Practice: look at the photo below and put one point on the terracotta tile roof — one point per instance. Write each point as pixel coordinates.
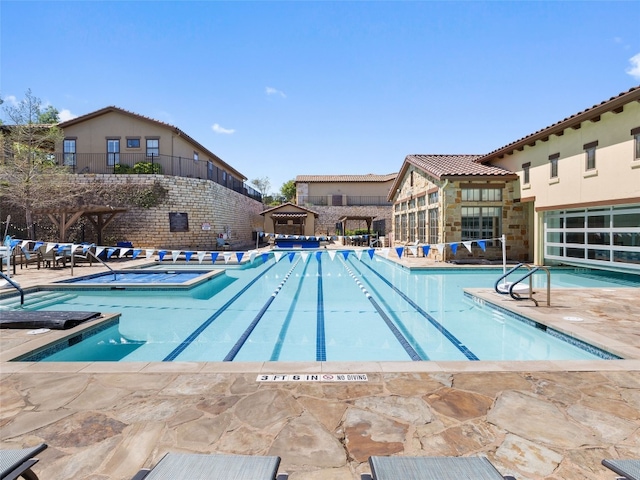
(175, 129)
(370, 177)
(614, 104)
(441, 166)
(288, 207)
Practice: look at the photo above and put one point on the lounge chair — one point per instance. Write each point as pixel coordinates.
(222, 244)
(629, 469)
(432, 468)
(182, 466)
(17, 463)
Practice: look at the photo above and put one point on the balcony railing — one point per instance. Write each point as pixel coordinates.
(343, 200)
(132, 163)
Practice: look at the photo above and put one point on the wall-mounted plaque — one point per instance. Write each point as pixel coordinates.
(178, 222)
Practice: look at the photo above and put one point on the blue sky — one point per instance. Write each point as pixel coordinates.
(279, 89)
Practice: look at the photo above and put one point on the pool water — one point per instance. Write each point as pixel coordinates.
(311, 307)
(136, 277)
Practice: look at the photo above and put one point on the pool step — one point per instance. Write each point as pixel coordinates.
(38, 300)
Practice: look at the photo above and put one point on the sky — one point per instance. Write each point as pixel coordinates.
(284, 88)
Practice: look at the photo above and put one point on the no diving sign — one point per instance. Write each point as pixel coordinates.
(314, 377)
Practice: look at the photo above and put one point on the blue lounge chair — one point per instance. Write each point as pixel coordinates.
(183, 466)
(432, 468)
(17, 463)
(629, 469)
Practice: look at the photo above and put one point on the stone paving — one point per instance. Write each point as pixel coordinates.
(534, 420)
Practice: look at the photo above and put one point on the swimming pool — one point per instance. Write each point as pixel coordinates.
(313, 306)
(144, 278)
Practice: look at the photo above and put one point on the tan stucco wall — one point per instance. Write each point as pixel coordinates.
(615, 180)
(364, 189)
(91, 137)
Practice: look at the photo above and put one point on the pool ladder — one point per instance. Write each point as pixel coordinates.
(14, 285)
(519, 291)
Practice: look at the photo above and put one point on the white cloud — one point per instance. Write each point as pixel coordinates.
(274, 91)
(224, 131)
(634, 69)
(65, 114)
(11, 100)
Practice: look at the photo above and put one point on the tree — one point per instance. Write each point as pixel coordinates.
(50, 115)
(30, 179)
(288, 190)
(263, 184)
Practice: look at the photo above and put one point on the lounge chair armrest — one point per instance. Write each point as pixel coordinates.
(366, 476)
(141, 474)
(282, 476)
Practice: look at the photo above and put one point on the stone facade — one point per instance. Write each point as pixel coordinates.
(329, 216)
(211, 210)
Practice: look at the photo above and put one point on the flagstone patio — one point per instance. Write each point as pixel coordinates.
(534, 420)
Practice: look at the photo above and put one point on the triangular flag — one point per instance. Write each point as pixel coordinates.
(24, 243)
(414, 250)
(482, 244)
(399, 251)
(252, 255)
(440, 248)
(425, 249)
(149, 253)
(201, 256)
(111, 251)
(74, 248)
(454, 248)
(14, 243)
(50, 246)
(265, 257)
(174, 255)
(358, 254)
(136, 252)
(385, 251)
(226, 256)
(99, 250)
(345, 254)
(468, 245)
(371, 253)
(278, 256)
(38, 245)
(305, 256)
(332, 254)
(214, 257)
(161, 254)
(187, 255)
(239, 256)
(86, 247)
(291, 255)
(124, 251)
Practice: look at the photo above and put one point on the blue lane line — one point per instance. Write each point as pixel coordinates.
(187, 341)
(245, 335)
(446, 333)
(321, 347)
(277, 348)
(401, 338)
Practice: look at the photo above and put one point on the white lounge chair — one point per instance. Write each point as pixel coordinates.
(16, 463)
(432, 468)
(183, 466)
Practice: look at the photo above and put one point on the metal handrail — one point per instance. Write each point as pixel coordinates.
(14, 285)
(528, 275)
(115, 274)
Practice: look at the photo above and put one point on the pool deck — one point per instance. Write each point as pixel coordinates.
(534, 420)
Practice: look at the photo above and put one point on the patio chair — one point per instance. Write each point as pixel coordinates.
(183, 466)
(17, 463)
(222, 244)
(432, 468)
(629, 469)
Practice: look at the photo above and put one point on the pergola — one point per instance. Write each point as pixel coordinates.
(99, 216)
(368, 219)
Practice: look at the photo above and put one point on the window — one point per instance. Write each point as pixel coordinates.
(195, 156)
(525, 172)
(590, 155)
(113, 151)
(411, 179)
(422, 227)
(481, 222)
(133, 143)
(153, 147)
(553, 164)
(433, 197)
(433, 226)
(481, 194)
(69, 152)
(209, 170)
(636, 142)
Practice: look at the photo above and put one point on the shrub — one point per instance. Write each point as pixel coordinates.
(147, 167)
